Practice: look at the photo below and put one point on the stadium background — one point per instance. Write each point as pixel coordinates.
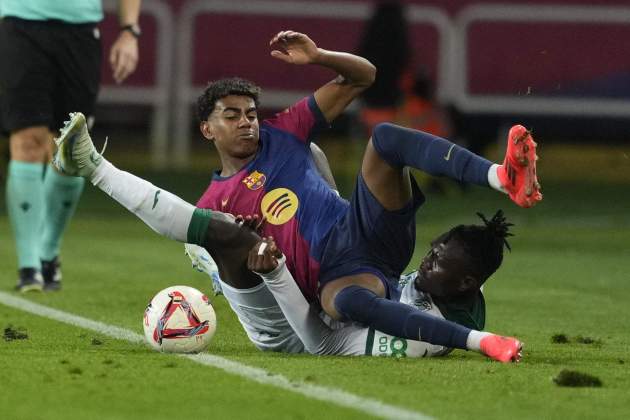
(566, 276)
(582, 61)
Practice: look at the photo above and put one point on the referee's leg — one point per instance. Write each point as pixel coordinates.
(26, 85)
(29, 148)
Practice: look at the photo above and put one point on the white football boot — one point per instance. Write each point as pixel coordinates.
(76, 154)
(203, 262)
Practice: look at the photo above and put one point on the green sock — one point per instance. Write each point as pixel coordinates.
(25, 205)
(62, 195)
(199, 226)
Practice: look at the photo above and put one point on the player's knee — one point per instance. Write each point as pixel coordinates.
(381, 133)
(30, 144)
(384, 141)
(382, 130)
(355, 303)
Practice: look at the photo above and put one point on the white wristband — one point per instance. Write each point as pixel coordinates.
(272, 275)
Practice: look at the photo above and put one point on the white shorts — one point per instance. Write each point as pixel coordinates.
(262, 319)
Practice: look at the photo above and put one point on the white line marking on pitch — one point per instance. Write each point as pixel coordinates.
(332, 395)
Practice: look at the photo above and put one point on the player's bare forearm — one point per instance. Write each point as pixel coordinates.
(356, 71)
(128, 12)
(355, 75)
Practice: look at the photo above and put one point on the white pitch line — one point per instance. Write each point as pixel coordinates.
(331, 395)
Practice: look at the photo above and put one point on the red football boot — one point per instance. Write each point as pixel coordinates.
(503, 349)
(518, 172)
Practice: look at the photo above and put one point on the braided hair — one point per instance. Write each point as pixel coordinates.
(485, 243)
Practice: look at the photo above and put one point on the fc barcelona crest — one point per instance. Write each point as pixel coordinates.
(255, 180)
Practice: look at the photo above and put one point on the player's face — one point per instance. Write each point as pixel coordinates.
(233, 126)
(445, 270)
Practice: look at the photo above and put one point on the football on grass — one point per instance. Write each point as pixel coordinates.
(179, 319)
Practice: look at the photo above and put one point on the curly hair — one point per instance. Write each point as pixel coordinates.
(222, 88)
(484, 243)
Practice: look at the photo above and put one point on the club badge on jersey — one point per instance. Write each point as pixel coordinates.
(255, 180)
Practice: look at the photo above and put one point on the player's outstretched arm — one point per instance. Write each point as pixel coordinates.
(355, 73)
(267, 260)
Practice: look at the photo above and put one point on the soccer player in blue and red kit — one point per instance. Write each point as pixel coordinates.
(348, 255)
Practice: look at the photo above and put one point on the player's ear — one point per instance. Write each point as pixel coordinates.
(206, 130)
(468, 283)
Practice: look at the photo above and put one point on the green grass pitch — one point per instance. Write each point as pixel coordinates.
(567, 274)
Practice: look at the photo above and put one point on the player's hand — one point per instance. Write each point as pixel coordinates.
(123, 56)
(253, 222)
(294, 48)
(263, 257)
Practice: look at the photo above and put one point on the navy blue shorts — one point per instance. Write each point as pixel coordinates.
(371, 239)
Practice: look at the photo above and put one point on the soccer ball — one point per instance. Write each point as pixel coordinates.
(179, 319)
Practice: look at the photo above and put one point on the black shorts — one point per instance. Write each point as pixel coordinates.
(47, 70)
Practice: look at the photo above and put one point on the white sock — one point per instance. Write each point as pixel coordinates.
(164, 212)
(493, 178)
(473, 342)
